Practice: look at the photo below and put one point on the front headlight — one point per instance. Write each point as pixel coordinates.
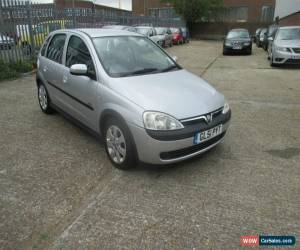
(160, 121)
(283, 49)
(226, 108)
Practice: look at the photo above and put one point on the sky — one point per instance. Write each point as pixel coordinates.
(125, 4)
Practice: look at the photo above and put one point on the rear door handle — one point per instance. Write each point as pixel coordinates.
(65, 79)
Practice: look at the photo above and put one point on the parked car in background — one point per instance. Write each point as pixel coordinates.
(6, 42)
(237, 41)
(185, 34)
(122, 86)
(150, 32)
(39, 32)
(271, 31)
(177, 36)
(120, 27)
(261, 37)
(285, 48)
(256, 36)
(165, 35)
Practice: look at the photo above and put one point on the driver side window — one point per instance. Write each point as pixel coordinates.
(78, 53)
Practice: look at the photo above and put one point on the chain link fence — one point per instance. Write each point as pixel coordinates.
(24, 25)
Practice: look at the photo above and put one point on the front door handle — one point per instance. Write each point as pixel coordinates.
(45, 69)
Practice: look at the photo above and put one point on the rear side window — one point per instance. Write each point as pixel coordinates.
(78, 53)
(56, 48)
(45, 46)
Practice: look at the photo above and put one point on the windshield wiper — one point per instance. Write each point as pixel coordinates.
(170, 68)
(141, 71)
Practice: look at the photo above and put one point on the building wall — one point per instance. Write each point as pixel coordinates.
(290, 20)
(254, 7)
(141, 7)
(88, 5)
(245, 10)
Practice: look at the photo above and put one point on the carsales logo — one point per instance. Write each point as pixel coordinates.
(249, 241)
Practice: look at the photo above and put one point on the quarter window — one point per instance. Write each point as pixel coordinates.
(78, 53)
(56, 48)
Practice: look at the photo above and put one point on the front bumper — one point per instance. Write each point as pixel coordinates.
(243, 48)
(280, 57)
(154, 151)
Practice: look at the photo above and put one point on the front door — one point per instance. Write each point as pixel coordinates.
(81, 91)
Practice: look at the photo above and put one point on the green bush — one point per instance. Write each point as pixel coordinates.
(22, 66)
(14, 69)
(6, 72)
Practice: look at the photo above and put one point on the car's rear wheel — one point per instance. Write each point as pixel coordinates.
(44, 99)
(119, 144)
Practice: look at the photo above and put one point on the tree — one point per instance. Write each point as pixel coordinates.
(195, 10)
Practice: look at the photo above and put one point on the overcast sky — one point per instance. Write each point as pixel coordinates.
(125, 4)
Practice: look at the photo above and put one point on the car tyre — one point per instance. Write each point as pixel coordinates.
(44, 99)
(119, 144)
(225, 52)
(272, 64)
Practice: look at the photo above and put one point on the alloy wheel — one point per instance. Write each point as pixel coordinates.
(116, 144)
(43, 99)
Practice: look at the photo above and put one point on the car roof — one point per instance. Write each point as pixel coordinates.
(239, 30)
(102, 32)
(143, 27)
(289, 27)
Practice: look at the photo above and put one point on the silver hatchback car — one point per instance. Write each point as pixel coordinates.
(123, 86)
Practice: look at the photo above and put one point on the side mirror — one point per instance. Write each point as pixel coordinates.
(175, 58)
(270, 38)
(79, 70)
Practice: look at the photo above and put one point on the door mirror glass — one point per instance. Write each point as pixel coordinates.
(175, 58)
(79, 70)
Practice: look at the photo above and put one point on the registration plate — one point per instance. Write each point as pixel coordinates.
(208, 134)
(237, 47)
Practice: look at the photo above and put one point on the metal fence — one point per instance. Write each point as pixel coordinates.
(24, 25)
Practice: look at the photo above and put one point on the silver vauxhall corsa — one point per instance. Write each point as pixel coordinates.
(124, 87)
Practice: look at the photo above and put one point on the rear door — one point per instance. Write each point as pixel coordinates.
(81, 91)
(52, 68)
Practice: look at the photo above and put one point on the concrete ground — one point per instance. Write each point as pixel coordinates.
(59, 191)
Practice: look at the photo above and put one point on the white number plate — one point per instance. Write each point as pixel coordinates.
(208, 134)
(237, 47)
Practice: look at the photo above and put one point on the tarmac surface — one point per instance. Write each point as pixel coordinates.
(58, 189)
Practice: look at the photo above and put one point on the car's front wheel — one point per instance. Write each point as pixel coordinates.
(44, 99)
(119, 144)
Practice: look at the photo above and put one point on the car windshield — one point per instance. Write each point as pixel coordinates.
(289, 34)
(143, 31)
(123, 56)
(238, 34)
(160, 31)
(174, 30)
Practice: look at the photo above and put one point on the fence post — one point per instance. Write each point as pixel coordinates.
(29, 22)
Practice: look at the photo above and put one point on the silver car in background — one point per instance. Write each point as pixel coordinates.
(150, 32)
(284, 48)
(165, 35)
(122, 86)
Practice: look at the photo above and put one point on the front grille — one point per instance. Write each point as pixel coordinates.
(293, 61)
(190, 150)
(194, 121)
(296, 50)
